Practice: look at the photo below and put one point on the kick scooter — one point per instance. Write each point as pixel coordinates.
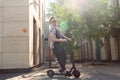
(73, 71)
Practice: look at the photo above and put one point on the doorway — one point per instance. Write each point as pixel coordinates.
(36, 44)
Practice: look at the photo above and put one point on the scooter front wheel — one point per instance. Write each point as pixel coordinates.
(76, 73)
(50, 73)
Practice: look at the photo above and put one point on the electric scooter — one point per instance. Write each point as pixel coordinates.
(73, 71)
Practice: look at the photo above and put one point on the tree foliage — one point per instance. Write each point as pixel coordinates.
(88, 19)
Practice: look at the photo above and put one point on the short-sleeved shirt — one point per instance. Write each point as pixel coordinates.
(52, 32)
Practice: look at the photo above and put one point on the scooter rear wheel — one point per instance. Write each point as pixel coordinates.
(50, 73)
(76, 73)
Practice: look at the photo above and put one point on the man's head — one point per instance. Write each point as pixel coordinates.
(52, 20)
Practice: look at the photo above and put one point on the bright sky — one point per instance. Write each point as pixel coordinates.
(47, 2)
(74, 4)
(69, 4)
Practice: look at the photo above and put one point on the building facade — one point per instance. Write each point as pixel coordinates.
(111, 50)
(21, 33)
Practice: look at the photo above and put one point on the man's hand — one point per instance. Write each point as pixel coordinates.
(63, 40)
(69, 39)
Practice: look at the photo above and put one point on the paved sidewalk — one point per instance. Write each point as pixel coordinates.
(106, 71)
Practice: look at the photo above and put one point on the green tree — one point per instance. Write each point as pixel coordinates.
(92, 20)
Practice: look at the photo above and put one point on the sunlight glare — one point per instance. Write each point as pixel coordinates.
(75, 4)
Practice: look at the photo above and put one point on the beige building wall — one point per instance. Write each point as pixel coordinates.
(42, 24)
(36, 21)
(114, 51)
(32, 12)
(16, 46)
(16, 33)
(0, 33)
(14, 42)
(94, 49)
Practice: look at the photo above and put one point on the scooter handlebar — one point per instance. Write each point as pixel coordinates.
(68, 39)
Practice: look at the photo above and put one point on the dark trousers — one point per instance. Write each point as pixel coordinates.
(60, 54)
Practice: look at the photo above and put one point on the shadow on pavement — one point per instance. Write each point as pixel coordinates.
(56, 78)
(44, 77)
(8, 76)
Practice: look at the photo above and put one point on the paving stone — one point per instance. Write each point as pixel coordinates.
(97, 72)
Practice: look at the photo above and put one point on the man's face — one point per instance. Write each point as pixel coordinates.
(53, 21)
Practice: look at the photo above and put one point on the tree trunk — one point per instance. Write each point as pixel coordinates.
(107, 48)
(91, 51)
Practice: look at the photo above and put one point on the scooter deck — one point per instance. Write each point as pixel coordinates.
(59, 74)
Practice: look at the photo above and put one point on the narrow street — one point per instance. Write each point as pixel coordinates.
(101, 71)
(32, 30)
